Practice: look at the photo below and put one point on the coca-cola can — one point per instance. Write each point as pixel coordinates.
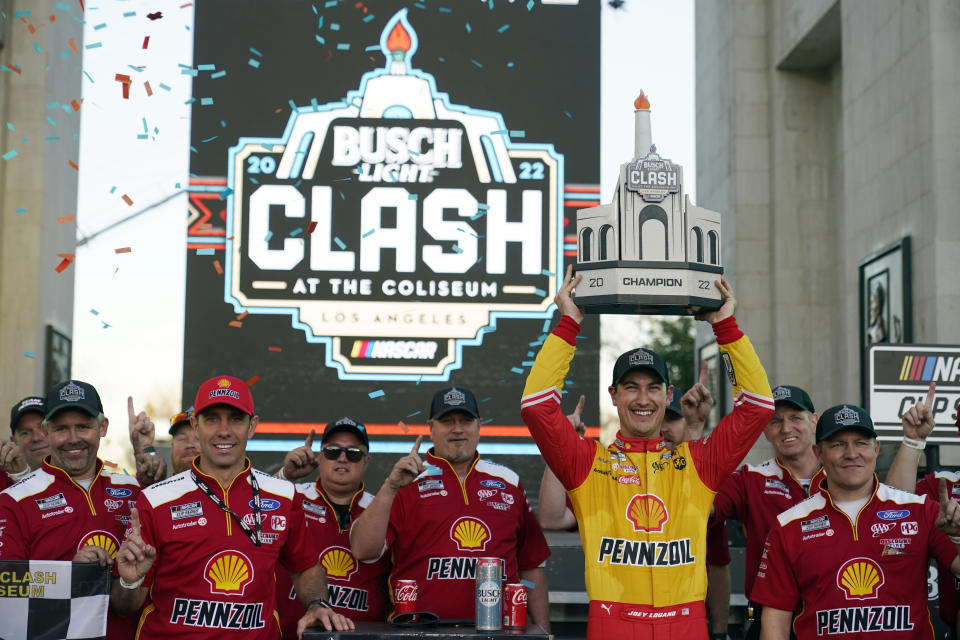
(404, 596)
(514, 606)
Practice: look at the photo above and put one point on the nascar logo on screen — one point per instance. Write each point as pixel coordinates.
(393, 225)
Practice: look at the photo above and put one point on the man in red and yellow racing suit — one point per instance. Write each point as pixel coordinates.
(642, 508)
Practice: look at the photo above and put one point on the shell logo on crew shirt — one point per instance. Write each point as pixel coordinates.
(338, 562)
(860, 579)
(470, 534)
(647, 513)
(102, 539)
(228, 572)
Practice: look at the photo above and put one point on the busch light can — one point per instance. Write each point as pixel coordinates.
(514, 606)
(489, 602)
(404, 596)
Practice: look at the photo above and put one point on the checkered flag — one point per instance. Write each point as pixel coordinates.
(53, 600)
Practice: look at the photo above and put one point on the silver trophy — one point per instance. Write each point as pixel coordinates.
(650, 250)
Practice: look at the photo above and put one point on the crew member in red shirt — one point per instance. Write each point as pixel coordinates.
(358, 590)
(204, 546)
(70, 508)
(28, 441)
(437, 518)
(756, 494)
(850, 560)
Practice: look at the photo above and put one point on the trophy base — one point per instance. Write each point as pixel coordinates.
(663, 289)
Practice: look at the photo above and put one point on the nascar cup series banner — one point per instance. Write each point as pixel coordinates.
(381, 202)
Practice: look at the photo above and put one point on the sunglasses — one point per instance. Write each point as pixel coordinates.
(354, 454)
(181, 417)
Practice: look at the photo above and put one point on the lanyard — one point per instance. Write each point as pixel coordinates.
(254, 537)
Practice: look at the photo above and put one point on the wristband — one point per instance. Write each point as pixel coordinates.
(150, 450)
(954, 539)
(130, 585)
(914, 443)
(281, 474)
(320, 601)
(20, 474)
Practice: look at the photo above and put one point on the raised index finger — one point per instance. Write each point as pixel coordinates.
(702, 379)
(308, 443)
(416, 446)
(931, 392)
(130, 410)
(134, 522)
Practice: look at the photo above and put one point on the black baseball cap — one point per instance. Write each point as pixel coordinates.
(30, 404)
(841, 418)
(348, 425)
(674, 406)
(640, 359)
(787, 394)
(453, 399)
(73, 394)
(179, 420)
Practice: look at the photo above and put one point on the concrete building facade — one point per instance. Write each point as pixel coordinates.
(826, 131)
(41, 62)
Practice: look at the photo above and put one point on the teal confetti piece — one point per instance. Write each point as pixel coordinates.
(415, 413)
(226, 192)
(205, 252)
(368, 233)
(486, 421)
(517, 133)
(343, 46)
(368, 17)
(510, 65)
(52, 138)
(206, 67)
(89, 77)
(530, 4)
(444, 9)
(218, 74)
(112, 189)
(540, 292)
(373, 47)
(499, 132)
(9, 154)
(255, 52)
(457, 249)
(531, 354)
(546, 272)
(94, 312)
(320, 23)
(320, 39)
(412, 196)
(293, 105)
(334, 26)
(93, 45)
(142, 136)
(503, 28)
(97, 27)
(30, 354)
(527, 363)
(296, 232)
(467, 25)
(137, 69)
(129, 14)
(210, 139)
(164, 87)
(267, 237)
(145, 127)
(254, 63)
(567, 113)
(206, 102)
(527, 583)
(37, 48)
(337, 241)
(11, 127)
(516, 370)
(487, 399)
(330, 3)
(190, 101)
(478, 65)
(22, 14)
(376, 394)
(483, 206)
(63, 7)
(478, 214)
(189, 72)
(20, 210)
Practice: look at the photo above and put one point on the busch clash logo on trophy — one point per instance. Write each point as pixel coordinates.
(393, 225)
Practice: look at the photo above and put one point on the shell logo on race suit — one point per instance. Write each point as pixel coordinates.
(647, 513)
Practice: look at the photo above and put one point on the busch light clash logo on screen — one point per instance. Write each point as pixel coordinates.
(394, 225)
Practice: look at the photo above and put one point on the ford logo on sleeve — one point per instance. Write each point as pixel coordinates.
(115, 492)
(493, 484)
(893, 515)
(266, 504)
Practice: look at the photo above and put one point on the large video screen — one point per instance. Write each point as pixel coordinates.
(382, 204)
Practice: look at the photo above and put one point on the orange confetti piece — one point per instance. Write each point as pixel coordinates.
(146, 41)
(32, 29)
(68, 256)
(235, 323)
(243, 315)
(127, 199)
(123, 250)
(184, 6)
(275, 349)
(13, 68)
(73, 164)
(403, 426)
(252, 381)
(75, 104)
(73, 45)
(277, 111)
(219, 269)
(311, 227)
(146, 85)
(66, 262)
(69, 218)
